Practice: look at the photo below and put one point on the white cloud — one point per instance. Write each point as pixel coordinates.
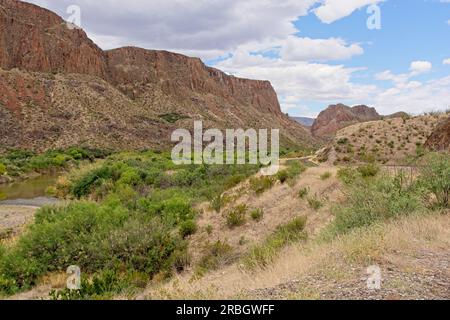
(307, 49)
(446, 61)
(419, 67)
(296, 82)
(333, 10)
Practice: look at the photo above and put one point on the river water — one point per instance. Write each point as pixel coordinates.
(30, 192)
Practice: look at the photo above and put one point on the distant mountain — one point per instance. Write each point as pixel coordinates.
(307, 122)
(58, 89)
(339, 116)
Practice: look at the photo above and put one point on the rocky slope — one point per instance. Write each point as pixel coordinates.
(57, 89)
(440, 138)
(339, 116)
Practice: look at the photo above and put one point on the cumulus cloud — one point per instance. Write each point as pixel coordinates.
(419, 67)
(307, 49)
(333, 10)
(446, 61)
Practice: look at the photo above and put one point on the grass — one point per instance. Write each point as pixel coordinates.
(173, 117)
(216, 255)
(261, 184)
(326, 176)
(315, 203)
(262, 255)
(237, 216)
(257, 214)
(302, 193)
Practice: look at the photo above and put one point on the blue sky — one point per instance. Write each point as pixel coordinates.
(314, 52)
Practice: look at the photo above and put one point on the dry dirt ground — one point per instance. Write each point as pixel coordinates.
(13, 219)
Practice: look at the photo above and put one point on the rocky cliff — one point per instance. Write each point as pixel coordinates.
(339, 116)
(57, 88)
(440, 138)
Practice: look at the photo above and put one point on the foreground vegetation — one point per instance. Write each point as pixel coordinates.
(127, 224)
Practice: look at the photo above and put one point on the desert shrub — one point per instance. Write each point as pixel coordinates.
(302, 193)
(282, 176)
(261, 184)
(326, 176)
(343, 141)
(435, 177)
(237, 216)
(216, 255)
(218, 202)
(262, 255)
(187, 228)
(257, 214)
(348, 175)
(315, 203)
(368, 170)
(374, 200)
(92, 236)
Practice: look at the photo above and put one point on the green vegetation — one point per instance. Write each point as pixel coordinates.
(216, 255)
(315, 203)
(257, 214)
(373, 199)
(143, 213)
(19, 162)
(173, 117)
(237, 216)
(326, 176)
(302, 193)
(262, 255)
(261, 184)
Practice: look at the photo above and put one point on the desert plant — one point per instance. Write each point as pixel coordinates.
(262, 184)
(257, 214)
(187, 228)
(237, 216)
(315, 203)
(302, 193)
(435, 177)
(326, 176)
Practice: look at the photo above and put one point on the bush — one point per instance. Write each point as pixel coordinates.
(216, 255)
(261, 185)
(315, 203)
(188, 228)
(262, 255)
(348, 175)
(236, 217)
(282, 176)
(257, 214)
(435, 177)
(371, 201)
(302, 193)
(368, 170)
(326, 176)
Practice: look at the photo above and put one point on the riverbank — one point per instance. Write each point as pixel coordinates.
(14, 218)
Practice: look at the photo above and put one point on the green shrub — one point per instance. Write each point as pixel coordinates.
(282, 176)
(326, 176)
(261, 185)
(368, 170)
(237, 216)
(374, 200)
(262, 255)
(257, 214)
(435, 177)
(315, 203)
(188, 228)
(216, 255)
(348, 175)
(302, 193)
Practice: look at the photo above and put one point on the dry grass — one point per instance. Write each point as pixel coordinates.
(393, 244)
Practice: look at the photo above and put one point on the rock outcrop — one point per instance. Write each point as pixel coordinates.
(440, 138)
(58, 88)
(339, 116)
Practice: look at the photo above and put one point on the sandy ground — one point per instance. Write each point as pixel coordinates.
(14, 218)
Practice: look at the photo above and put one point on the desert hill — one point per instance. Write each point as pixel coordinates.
(58, 88)
(440, 138)
(387, 141)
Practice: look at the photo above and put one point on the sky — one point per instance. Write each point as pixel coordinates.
(393, 55)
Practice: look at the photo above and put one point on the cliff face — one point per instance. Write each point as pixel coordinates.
(440, 138)
(36, 39)
(68, 91)
(339, 116)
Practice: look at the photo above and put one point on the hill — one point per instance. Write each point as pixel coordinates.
(59, 89)
(308, 122)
